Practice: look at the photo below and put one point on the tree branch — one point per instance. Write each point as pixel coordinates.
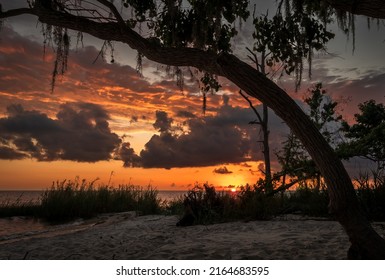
(254, 58)
(114, 11)
(283, 187)
(370, 8)
(16, 12)
(112, 31)
(260, 121)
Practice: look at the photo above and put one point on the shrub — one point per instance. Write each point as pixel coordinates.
(371, 194)
(209, 206)
(309, 200)
(206, 205)
(255, 204)
(19, 209)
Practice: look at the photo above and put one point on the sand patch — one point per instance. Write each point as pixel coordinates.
(124, 236)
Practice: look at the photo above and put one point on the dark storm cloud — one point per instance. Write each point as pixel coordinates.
(209, 141)
(80, 133)
(128, 156)
(206, 144)
(222, 170)
(134, 119)
(228, 115)
(9, 153)
(163, 122)
(185, 114)
(223, 138)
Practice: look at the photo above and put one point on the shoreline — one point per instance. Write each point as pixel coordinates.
(125, 236)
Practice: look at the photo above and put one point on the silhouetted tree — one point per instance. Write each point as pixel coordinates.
(294, 159)
(366, 138)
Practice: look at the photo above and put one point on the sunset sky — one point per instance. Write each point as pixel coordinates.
(105, 118)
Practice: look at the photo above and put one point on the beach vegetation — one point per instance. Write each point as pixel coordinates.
(71, 199)
(67, 200)
(18, 208)
(366, 137)
(249, 202)
(294, 159)
(309, 200)
(371, 194)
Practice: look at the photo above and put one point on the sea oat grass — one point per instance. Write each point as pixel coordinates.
(10, 209)
(371, 194)
(208, 206)
(309, 201)
(67, 200)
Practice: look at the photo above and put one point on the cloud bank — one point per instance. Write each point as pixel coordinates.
(222, 138)
(80, 133)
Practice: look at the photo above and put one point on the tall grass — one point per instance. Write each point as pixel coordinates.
(71, 199)
(208, 206)
(18, 207)
(250, 202)
(256, 204)
(308, 200)
(68, 200)
(9, 209)
(371, 194)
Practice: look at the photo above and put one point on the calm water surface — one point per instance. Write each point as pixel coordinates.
(10, 197)
(16, 228)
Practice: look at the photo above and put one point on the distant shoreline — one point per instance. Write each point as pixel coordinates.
(33, 195)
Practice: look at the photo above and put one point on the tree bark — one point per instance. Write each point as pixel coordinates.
(343, 204)
(370, 8)
(264, 123)
(266, 146)
(343, 200)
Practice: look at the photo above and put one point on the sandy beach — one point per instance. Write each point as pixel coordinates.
(125, 236)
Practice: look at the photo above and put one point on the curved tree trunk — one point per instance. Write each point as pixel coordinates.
(343, 201)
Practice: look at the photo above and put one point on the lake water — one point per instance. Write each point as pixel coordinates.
(17, 228)
(10, 197)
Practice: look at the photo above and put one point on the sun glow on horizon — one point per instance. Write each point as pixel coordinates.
(30, 174)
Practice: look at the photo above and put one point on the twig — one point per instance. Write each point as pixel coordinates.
(26, 255)
(252, 107)
(114, 11)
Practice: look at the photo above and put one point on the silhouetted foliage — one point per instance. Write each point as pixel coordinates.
(68, 200)
(371, 194)
(293, 157)
(366, 138)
